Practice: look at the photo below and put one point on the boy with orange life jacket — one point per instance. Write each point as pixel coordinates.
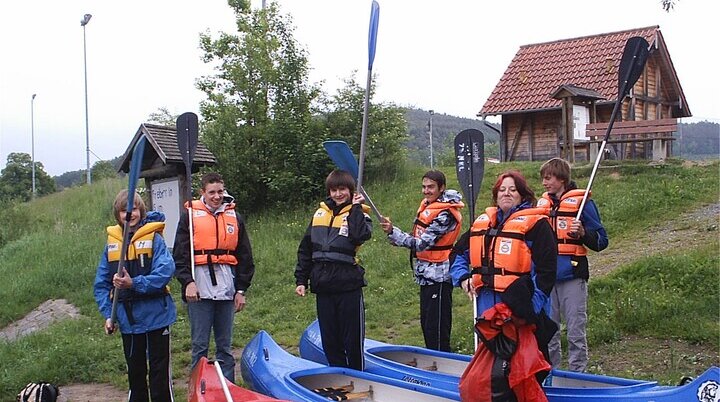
(434, 232)
(224, 267)
(145, 309)
(328, 265)
(561, 202)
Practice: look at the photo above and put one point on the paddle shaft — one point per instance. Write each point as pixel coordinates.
(133, 174)
(363, 135)
(372, 41)
(121, 262)
(187, 135)
(631, 71)
(223, 382)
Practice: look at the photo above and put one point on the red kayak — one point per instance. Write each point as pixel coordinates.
(206, 386)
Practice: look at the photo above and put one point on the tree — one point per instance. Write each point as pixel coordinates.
(162, 117)
(668, 5)
(257, 116)
(16, 178)
(386, 133)
(102, 170)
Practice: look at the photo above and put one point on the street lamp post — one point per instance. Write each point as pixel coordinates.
(83, 22)
(432, 112)
(32, 140)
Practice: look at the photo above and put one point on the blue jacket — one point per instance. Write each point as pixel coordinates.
(149, 314)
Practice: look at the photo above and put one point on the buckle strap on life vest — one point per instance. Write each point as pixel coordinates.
(433, 248)
(570, 241)
(494, 232)
(420, 223)
(217, 251)
(333, 249)
(484, 270)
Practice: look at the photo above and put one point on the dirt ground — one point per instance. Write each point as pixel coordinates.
(700, 225)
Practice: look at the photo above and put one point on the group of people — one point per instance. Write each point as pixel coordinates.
(523, 260)
(523, 263)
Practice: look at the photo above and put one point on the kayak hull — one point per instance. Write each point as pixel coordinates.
(270, 370)
(443, 370)
(205, 386)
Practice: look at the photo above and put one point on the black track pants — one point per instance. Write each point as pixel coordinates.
(436, 315)
(152, 347)
(342, 326)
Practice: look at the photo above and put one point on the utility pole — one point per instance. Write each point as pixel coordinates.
(32, 139)
(83, 22)
(432, 162)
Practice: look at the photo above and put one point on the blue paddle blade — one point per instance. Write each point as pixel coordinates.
(372, 36)
(342, 156)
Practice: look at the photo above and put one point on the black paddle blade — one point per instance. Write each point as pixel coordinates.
(470, 164)
(632, 63)
(187, 136)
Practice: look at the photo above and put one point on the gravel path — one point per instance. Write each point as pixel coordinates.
(698, 226)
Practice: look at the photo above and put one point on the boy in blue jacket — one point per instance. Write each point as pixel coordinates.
(561, 202)
(145, 309)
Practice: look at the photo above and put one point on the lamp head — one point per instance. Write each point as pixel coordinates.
(34, 95)
(85, 20)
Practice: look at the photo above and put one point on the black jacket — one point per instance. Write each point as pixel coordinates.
(243, 272)
(330, 276)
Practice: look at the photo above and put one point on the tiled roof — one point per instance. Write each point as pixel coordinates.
(537, 70)
(163, 141)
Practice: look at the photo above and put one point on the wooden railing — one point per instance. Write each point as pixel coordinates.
(658, 132)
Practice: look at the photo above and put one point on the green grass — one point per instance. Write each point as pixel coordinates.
(668, 296)
(56, 242)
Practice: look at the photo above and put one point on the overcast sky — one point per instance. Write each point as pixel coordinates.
(446, 56)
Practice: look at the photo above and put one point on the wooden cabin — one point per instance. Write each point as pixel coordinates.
(556, 99)
(163, 169)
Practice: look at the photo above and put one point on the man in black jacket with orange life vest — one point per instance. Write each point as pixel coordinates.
(223, 268)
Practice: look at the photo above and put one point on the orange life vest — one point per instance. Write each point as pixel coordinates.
(506, 256)
(215, 238)
(425, 215)
(561, 217)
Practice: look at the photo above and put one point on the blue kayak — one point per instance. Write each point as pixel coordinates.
(269, 369)
(437, 369)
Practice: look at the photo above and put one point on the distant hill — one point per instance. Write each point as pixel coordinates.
(75, 177)
(697, 140)
(444, 129)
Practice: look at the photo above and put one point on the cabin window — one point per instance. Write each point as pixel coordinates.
(581, 118)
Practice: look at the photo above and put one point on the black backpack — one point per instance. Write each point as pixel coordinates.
(39, 392)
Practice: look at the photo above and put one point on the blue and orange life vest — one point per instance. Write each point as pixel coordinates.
(561, 217)
(440, 251)
(500, 255)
